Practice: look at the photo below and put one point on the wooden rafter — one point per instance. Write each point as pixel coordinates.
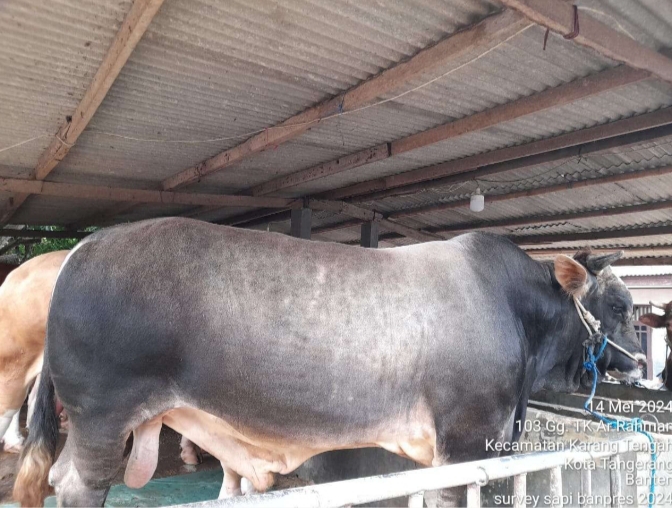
(129, 34)
(101, 193)
(644, 261)
(640, 128)
(610, 42)
(92, 192)
(648, 252)
(587, 236)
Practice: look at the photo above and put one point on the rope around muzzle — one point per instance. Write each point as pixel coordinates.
(597, 338)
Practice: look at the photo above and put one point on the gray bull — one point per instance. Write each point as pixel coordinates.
(266, 350)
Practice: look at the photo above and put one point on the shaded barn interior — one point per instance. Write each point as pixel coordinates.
(369, 123)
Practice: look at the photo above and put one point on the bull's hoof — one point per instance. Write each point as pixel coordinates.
(227, 495)
(191, 457)
(247, 488)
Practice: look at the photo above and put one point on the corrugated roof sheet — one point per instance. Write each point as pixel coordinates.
(217, 71)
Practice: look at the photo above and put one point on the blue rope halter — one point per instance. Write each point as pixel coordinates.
(626, 425)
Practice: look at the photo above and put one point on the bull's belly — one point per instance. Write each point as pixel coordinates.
(254, 455)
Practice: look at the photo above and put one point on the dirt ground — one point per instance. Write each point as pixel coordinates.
(170, 463)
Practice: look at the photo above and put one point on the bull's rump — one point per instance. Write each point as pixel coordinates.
(263, 329)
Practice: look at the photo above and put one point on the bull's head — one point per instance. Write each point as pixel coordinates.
(589, 277)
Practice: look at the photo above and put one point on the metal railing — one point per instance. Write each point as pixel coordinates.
(474, 475)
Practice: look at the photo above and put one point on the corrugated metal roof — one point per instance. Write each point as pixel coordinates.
(49, 51)
(217, 71)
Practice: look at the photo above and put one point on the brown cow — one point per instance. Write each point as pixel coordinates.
(664, 321)
(24, 306)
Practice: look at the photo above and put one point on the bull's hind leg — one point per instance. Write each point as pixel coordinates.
(89, 462)
(231, 484)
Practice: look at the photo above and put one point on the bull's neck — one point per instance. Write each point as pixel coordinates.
(555, 335)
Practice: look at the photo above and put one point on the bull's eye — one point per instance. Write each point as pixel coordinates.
(618, 310)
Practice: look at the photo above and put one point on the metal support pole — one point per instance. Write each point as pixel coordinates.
(300, 223)
(556, 487)
(473, 495)
(416, 500)
(520, 491)
(586, 487)
(369, 235)
(615, 482)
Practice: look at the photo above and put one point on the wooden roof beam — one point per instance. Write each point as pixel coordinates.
(102, 193)
(633, 130)
(131, 31)
(92, 192)
(587, 236)
(644, 261)
(560, 17)
(550, 239)
(649, 252)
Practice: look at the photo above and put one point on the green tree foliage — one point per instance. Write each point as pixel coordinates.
(45, 245)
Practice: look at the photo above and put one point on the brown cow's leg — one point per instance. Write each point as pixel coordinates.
(190, 453)
(12, 394)
(13, 440)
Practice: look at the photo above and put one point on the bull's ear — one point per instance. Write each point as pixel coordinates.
(653, 320)
(598, 263)
(571, 275)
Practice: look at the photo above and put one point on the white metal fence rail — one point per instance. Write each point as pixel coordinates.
(414, 483)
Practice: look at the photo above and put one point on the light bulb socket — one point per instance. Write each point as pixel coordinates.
(477, 202)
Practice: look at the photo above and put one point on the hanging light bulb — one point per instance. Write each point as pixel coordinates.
(477, 202)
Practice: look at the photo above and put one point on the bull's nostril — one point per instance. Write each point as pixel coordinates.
(641, 360)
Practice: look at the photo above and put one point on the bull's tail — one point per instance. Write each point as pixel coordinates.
(31, 485)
